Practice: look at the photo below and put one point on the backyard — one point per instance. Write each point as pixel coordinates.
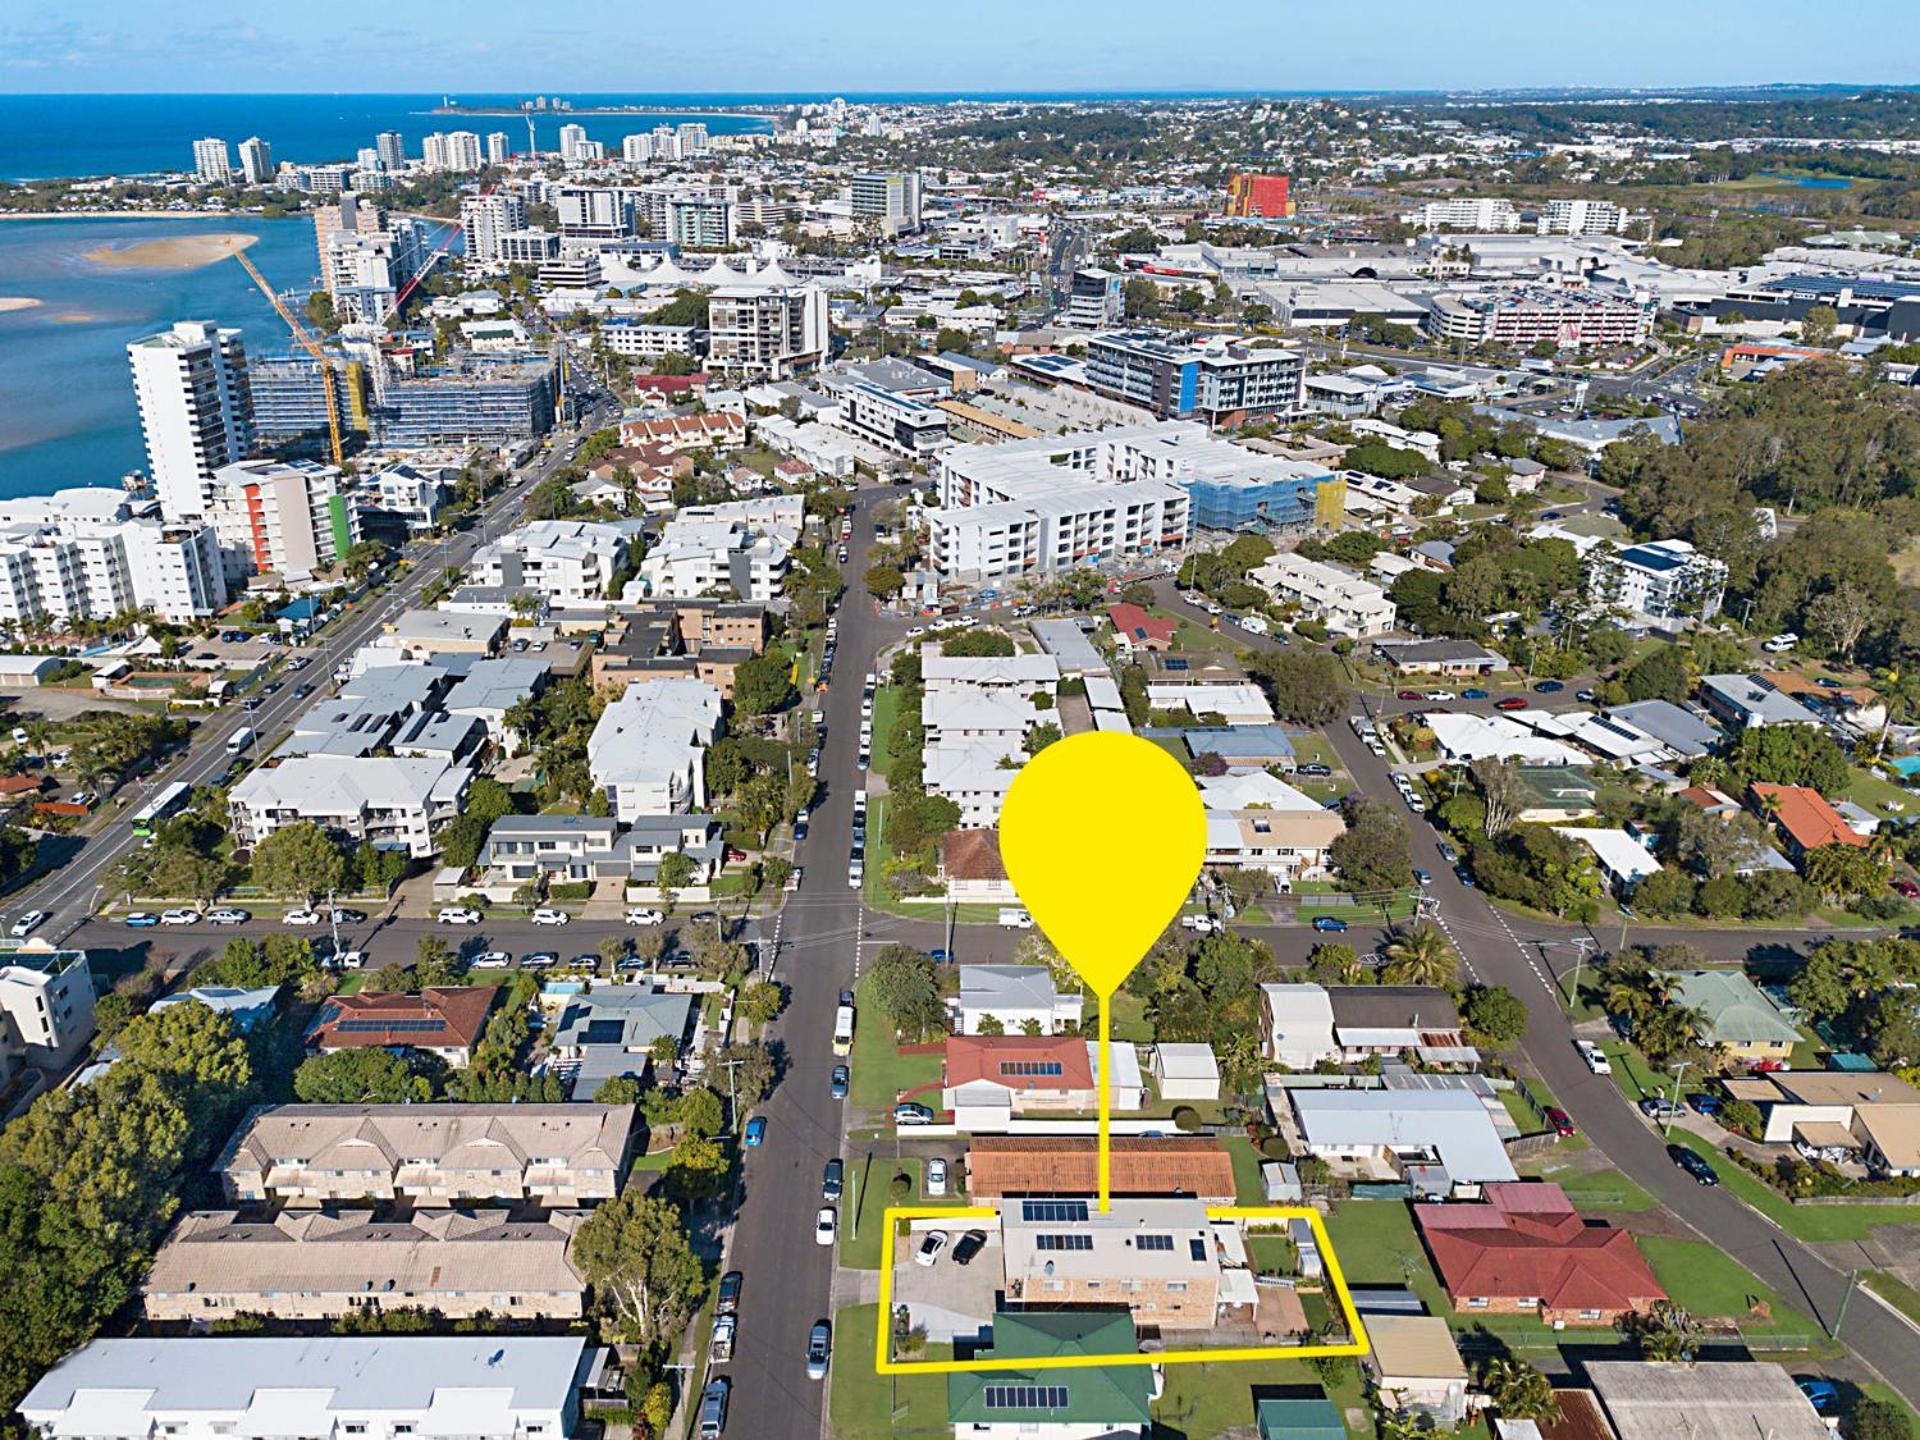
(880, 1071)
(870, 1406)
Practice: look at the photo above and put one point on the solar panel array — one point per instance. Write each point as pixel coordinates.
(1063, 1242)
(391, 1027)
(1030, 1067)
(1054, 1210)
(1153, 1242)
(1026, 1397)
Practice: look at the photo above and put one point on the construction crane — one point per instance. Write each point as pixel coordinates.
(311, 346)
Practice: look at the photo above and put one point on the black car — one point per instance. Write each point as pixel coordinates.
(971, 1244)
(1694, 1163)
(799, 831)
(837, 1086)
(302, 691)
(1314, 771)
(729, 1300)
(833, 1179)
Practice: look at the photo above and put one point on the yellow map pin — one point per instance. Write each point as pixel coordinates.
(1103, 835)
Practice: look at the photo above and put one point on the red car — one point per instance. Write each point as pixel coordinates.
(1561, 1122)
(1512, 702)
(1411, 695)
(1907, 889)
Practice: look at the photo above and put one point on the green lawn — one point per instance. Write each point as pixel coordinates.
(1807, 1222)
(1202, 1401)
(1712, 1285)
(870, 1406)
(1377, 1245)
(1891, 1288)
(1315, 750)
(1129, 1019)
(880, 1071)
(1878, 794)
(874, 1179)
(1601, 1190)
(1191, 637)
(1247, 1186)
(886, 707)
(1637, 1080)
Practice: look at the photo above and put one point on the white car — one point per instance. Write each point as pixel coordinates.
(28, 922)
(856, 873)
(826, 1225)
(179, 917)
(228, 917)
(1253, 624)
(299, 917)
(1595, 1057)
(545, 916)
(930, 1247)
(350, 959)
(793, 879)
(936, 1177)
(645, 917)
(492, 960)
(1015, 919)
(1441, 695)
(458, 915)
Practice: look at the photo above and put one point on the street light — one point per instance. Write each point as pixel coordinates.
(1679, 1068)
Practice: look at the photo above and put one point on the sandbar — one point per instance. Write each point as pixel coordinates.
(75, 317)
(16, 302)
(173, 252)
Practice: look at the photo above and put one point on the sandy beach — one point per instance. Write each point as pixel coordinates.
(175, 252)
(16, 302)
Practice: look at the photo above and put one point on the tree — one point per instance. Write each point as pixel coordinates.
(1664, 1332)
(753, 1070)
(1665, 892)
(1307, 689)
(1040, 736)
(1818, 324)
(1420, 955)
(761, 1001)
(979, 644)
(299, 861)
(634, 1251)
(1502, 791)
(1372, 852)
(700, 1111)
(674, 872)
(1842, 615)
(205, 1057)
(1875, 1419)
(1792, 755)
(1659, 675)
(1335, 963)
(1519, 1391)
(884, 581)
(905, 986)
(436, 966)
(763, 684)
(462, 841)
(360, 1077)
(618, 1090)
(1495, 1014)
(1844, 873)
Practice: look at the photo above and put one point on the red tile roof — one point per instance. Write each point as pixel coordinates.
(1805, 815)
(1141, 628)
(1526, 1241)
(972, 855)
(432, 1020)
(1067, 1165)
(1008, 1059)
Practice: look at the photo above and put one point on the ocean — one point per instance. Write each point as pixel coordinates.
(67, 414)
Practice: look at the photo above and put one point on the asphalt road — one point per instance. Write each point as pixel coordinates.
(1501, 951)
(71, 892)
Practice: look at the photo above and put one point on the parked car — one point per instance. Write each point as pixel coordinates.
(1907, 889)
(1595, 1057)
(1656, 1108)
(547, 916)
(720, 1342)
(1463, 875)
(348, 917)
(1329, 924)
(1512, 702)
(1448, 853)
(930, 1246)
(819, 1350)
(909, 1112)
(1441, 695)
(971, 1244)
(826, 1225)
(1821, 1393)
(458, 915)
(729, 1299)
(713, 1407)
(1561, 1122)
(1704, 1104)
(833, 1179)
(837, 1085)
(1585, 696)
(539, 960)
(646, 917)
(1694, 1163)
(1473, 694)
(756, 1132)
(937, 1177)
(1548, 687)
(303, 918)
(180, 917)
(491, 960)
(1314, 772)
(1411, 695)
(1425, 877)
(228, 917)
(141, 919)
(28, 923)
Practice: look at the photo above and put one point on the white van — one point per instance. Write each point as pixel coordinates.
(240, 740)
(1012, 917)
(1254, 624)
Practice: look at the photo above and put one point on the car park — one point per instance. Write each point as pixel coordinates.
(756, 1132)
(826, 1225)
(930, 1247)
(458, 915)
(179, 917)
(1694, 1163)
(547, 916)
(819, 1350)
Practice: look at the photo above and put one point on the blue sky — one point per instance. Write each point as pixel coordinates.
(799, 46)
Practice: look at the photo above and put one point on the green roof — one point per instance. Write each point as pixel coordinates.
(1111, 1395)
(1315, 1419)
(1736, 1010)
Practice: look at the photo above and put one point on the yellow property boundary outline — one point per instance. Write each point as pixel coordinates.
(885, 1364)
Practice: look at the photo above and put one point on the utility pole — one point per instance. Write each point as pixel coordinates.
(333, 921)
(1673, 1104)
(1581, 944)
(733, 1103)
(1853, 1278)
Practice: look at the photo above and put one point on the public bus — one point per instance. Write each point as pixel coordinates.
(163, 804)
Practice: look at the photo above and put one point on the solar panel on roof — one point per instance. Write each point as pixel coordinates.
(1176, 662)
(1026, 1397)
(1053, 1210)
(390, 1027)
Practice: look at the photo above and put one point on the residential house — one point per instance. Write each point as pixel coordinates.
(1156, 1257)
(1440, 657)
(716, 429)
(574, 848)
(1296, 1026)
(1850, 1112)
(1625, 861)
(1524, 1250)
(491, 688)
(971, 868)
(1014, 995)
(1435, 1139)
(1747, 702)
(446, 1023)
(1414, 1365)
(1804, 817)
(1237, 702)
(1298, 1418)
(1682, 730)
(648, 749)
(1289, 845)
(1242, 747)
(990, 1078)
(974, 774)
(1739, 1018)
(1083, 1402)
(568, 562)
(1344, 602)
(322, 1265)
(245, 1009)
(1134, 629)
(1050, 1165)
(1721, 1399)
(423, 634)
(428, 1155)
(1023, 674)
(391, 803)
(612, 1032)
(1388, 1020)
(481, 1387)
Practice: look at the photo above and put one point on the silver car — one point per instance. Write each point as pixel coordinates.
(819, 1350)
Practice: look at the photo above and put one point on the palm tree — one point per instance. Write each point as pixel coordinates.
(1519, 1391)
(1421, 955)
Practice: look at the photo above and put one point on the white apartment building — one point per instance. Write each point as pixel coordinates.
(458, 151)
(287, 517)
(890, 199)
(898, 424)
(485, 220)
(1340, 599)
(739, 550)
(1483, 217)
(499, 147)
(413, 493)
(195, 415)
(256, 160)
(648, 750)
(570, 562)
(389, 802)
(636, 149)
(85, 569)
(1524, 315)
(702, 222)
(210, 162)
(480, 1387)
(1663, 581)
(648, 342)
(769, 334)
(176, 570)
(572, 137)
(591, 212)
(1584, 217)
(529, 247)
(46, 1007)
